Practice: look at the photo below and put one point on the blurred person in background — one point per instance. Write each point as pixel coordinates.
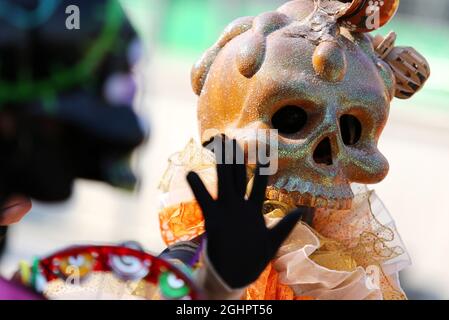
(66, 100)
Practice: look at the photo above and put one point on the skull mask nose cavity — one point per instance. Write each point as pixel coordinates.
(323, 153)
(351, 129)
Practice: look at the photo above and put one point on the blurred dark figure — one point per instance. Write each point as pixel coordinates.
(66, 95)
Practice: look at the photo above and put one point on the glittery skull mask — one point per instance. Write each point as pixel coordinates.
(327, 91)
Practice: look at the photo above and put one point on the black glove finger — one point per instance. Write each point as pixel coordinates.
(259, 187)
(203, 197)
(282, 230)
(239, 171)
(224, 171)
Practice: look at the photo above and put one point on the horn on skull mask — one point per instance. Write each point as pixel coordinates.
(202, 67)
(252, 54)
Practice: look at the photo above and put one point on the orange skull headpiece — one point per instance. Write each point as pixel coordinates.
(310, 71)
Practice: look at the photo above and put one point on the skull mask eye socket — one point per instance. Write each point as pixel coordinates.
(351, 129)
(289, 119)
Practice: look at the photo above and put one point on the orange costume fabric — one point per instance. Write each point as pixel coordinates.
(185, 222)
(344, 254)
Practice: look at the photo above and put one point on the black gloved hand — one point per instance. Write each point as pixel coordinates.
(239, 245)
